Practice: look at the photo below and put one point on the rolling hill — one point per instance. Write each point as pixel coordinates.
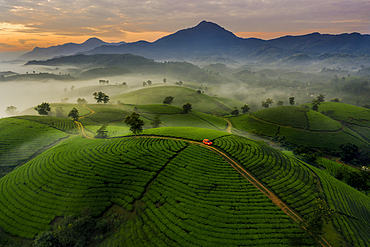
(200, 102)
(299, 126)
(168, 185)
(354, 117)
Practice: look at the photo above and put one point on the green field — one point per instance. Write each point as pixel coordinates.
(351, 207)
(22, 138)
(182, 95)
(193, 196)
(354, 117)
(299, 126)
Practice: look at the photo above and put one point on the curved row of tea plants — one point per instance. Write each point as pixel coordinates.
(21, 138)
(76, 174)
(288, 178)
(63, 124)
(330, 140)
(352, 207)
(200, 200)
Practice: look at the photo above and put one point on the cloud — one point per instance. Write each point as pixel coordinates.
(24, 41)
(7, 45)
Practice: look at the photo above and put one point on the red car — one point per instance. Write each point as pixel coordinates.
(207, 142)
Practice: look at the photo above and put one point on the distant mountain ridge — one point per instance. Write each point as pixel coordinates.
(65, 49)
(208, 39)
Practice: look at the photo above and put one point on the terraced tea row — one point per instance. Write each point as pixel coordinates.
(63, 124)
(76, 174)
(352, 207)
(20, 139)
(288, 178)
(200, 200)
(320, 132)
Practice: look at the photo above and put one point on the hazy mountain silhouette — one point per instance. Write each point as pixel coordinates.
(208, 39)
(65, 49)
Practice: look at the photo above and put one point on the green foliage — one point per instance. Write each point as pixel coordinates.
(291, 101)
(299, 126)
(280, 103)
(265, 104)
(135, 123)
(168, 100)
(22, 138)
(156, 121)
(102, 132)
(245, 108)
(74, 114)
(235, 111)
(186, 108)
(316, 221)
(199, 192)
(334, 100)
(43, 108)
(101, 97)
(80, 173)
(320, 98)
(348, 152)
(350, 207)
(81, 101)
(200, 102)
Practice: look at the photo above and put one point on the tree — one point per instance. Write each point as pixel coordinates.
(291, 101)
(81, 101)
(135, 123)
(366, 106)
(321, 98)
(186, 108)
(11, 110)
(315, 105)
(235, 111)
(101, 97)
(265, 104)
(168, 100)
(73, 114)
(269, 101)
(164, 80)
(321, 213)
(245, 108)
(43, 109)
(280, 103)
(348, 152)
(156, 121)
(144, 83)
(199, 91)
(73, 87)
(102, 132)
(105, 98)
(124, 84)
(149, 82)
(334, 100)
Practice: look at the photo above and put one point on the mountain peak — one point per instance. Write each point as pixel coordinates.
(93, 40)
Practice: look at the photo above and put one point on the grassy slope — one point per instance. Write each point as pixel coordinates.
(182, 95)
(20, 139)
(354, 117)
(299, 126)
(352, 208)
(99, 173)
